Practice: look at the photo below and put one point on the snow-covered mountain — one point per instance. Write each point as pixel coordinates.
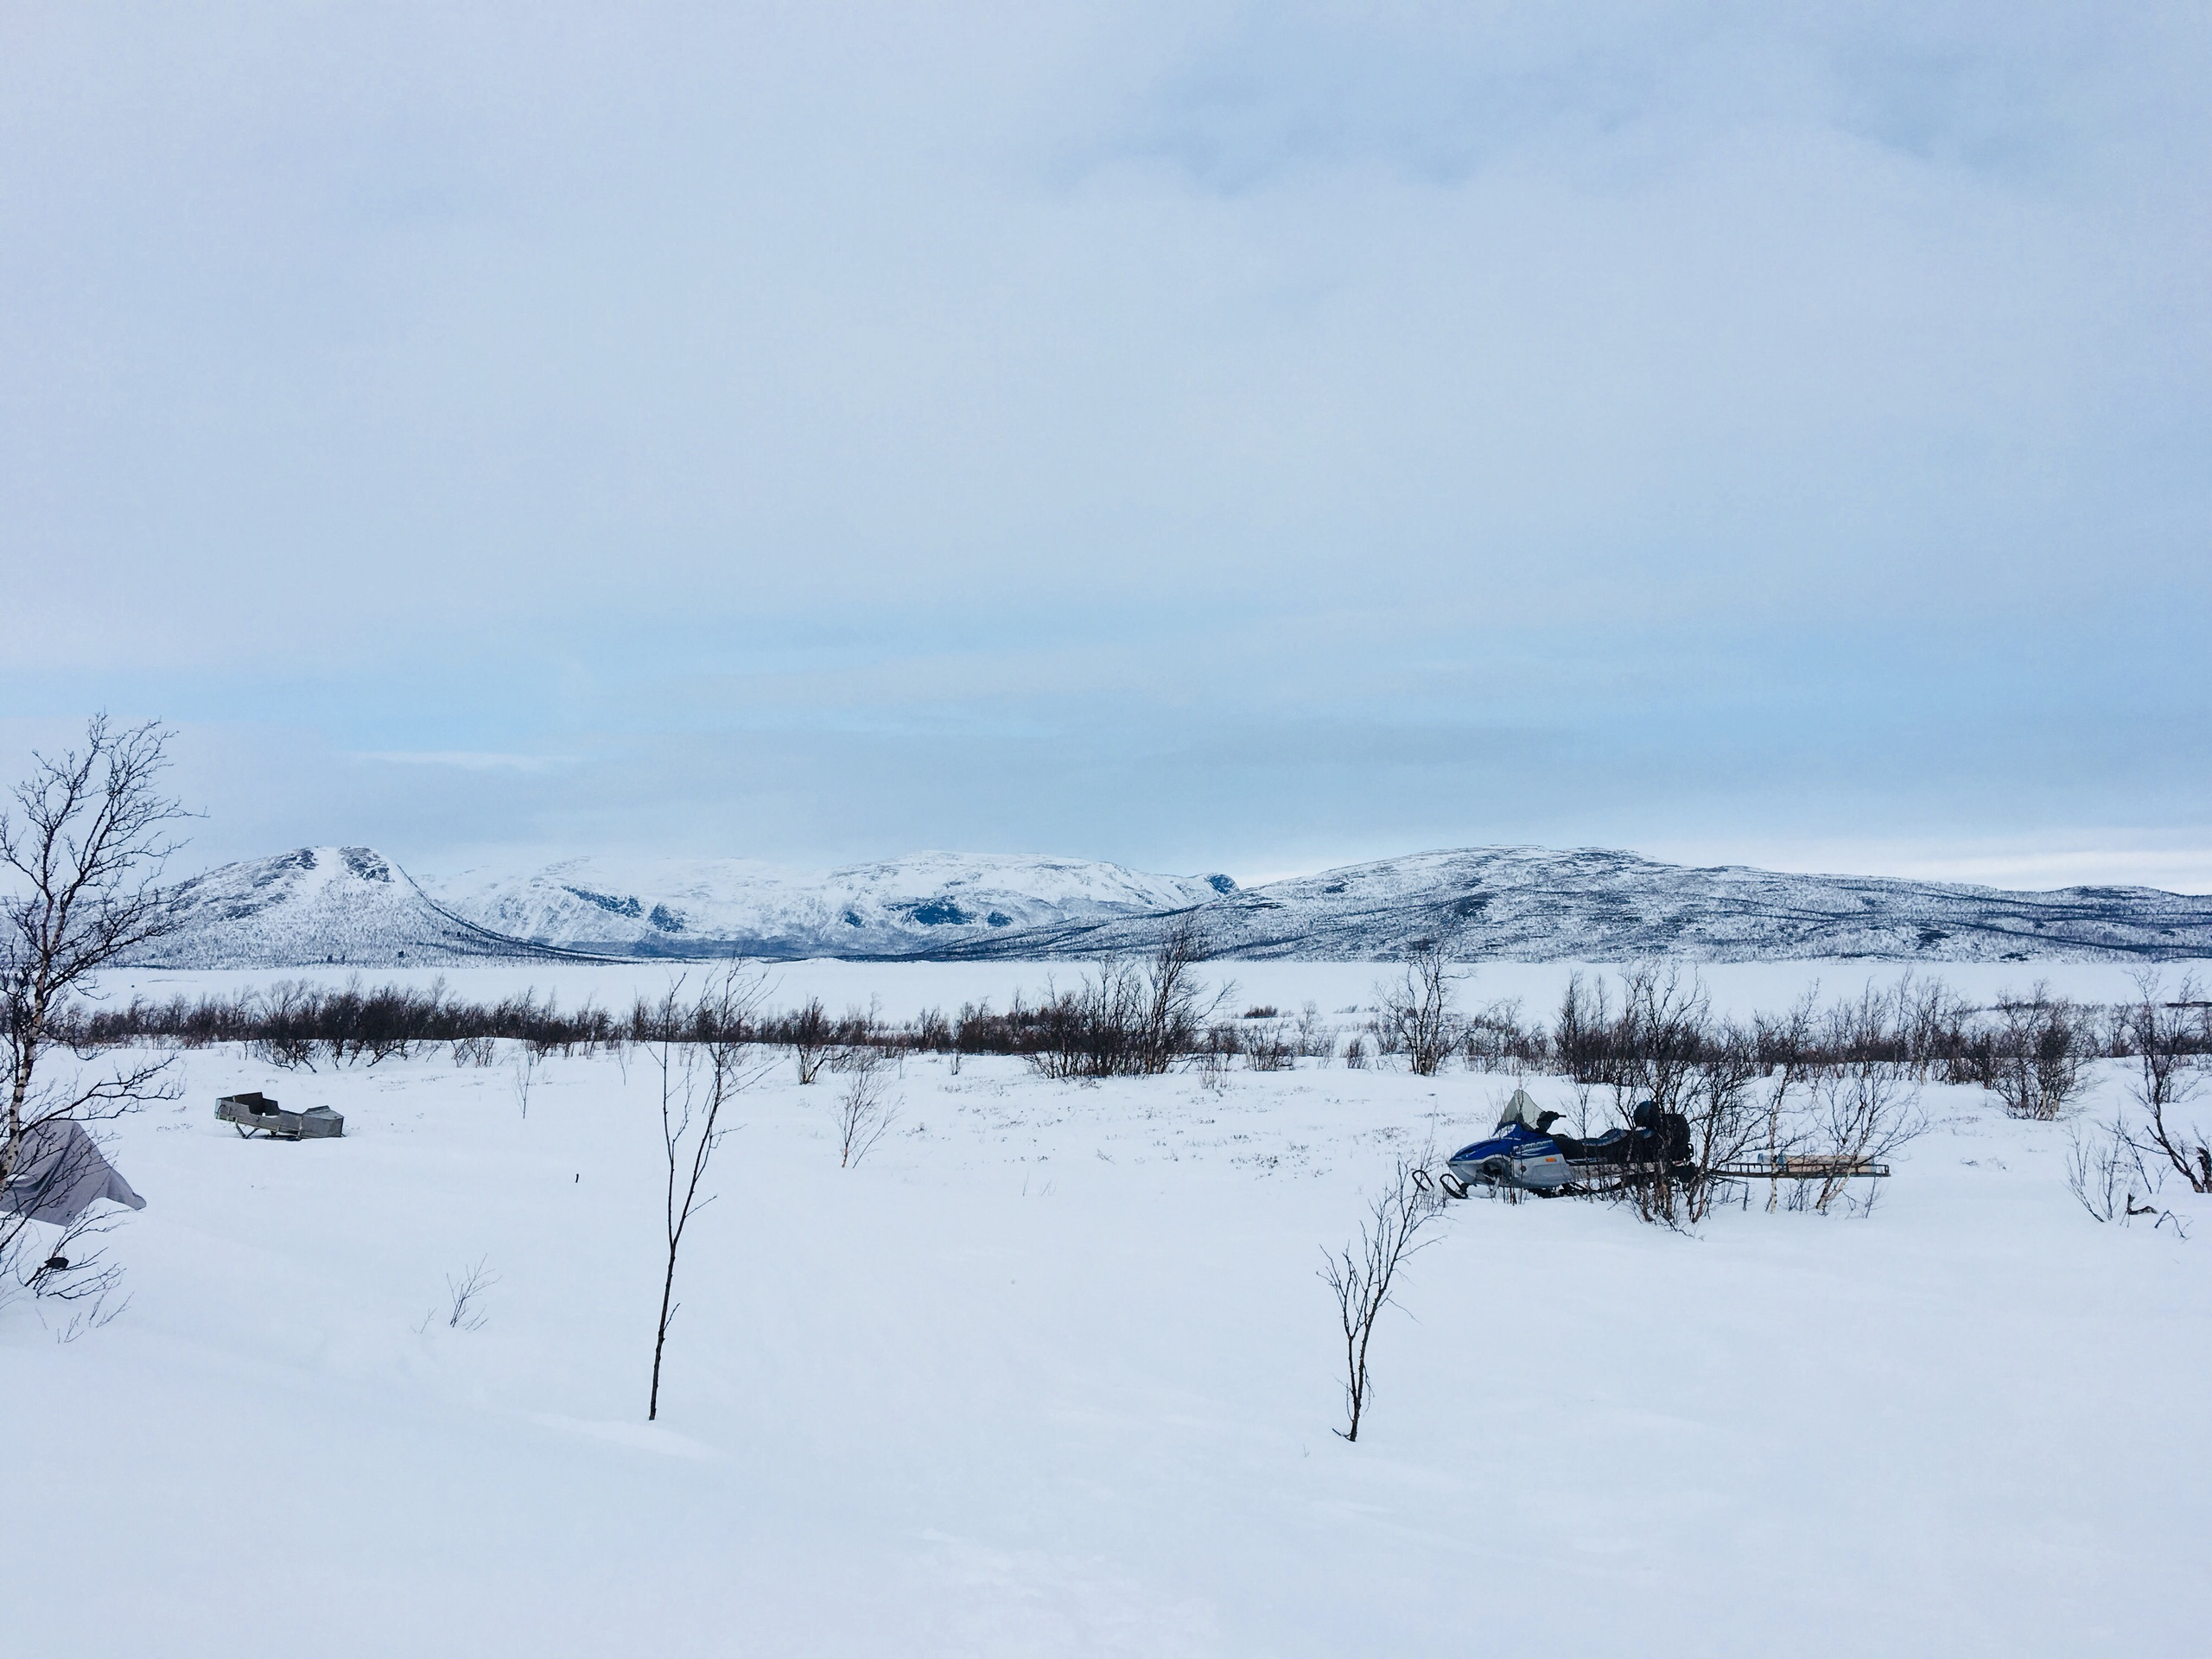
(350, 904)
(1532, 904)
(903, 906)
(319, 905)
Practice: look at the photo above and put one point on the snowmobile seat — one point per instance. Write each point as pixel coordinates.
(1611, 1147)
(1666, 1134)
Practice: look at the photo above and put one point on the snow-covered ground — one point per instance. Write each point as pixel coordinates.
(1052, 1373)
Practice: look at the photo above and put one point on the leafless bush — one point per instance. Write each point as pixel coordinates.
(1582, 1032)
(292, 1022)
(1091, 1031)
(83, 1320)
(74, 1271)
(1647, 1048)
(1356, 1055)
(2104, 1169)
(861, 1033)
(1128, 1019)
(475, 1051)
(1415, 1017)
(1495, 1040)
(1315, 1039)
(1662, 1036)
(1931, 1022)
(1363, 1277)
(464, 1299)
(523, 1079)
(1726, 1120)
(2038, 1053)
(284, 1025)
(1176, 1005)
(2164, 1037)
(1267, 1048)
(865, 1112)
(1860, 1115)
(812, 1039)
(1784, 1045)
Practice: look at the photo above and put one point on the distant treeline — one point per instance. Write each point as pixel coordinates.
(1147, 1017)
(302, 1023)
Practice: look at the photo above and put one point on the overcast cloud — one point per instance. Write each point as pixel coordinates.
(1204, 436)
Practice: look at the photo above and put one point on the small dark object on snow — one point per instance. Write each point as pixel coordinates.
(56, 1264)
(253, 1113)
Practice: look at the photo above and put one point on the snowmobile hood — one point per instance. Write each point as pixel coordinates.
(1518, 1141)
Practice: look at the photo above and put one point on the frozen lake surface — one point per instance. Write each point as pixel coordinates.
(905, 988)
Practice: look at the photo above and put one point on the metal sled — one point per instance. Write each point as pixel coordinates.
(256, 1114)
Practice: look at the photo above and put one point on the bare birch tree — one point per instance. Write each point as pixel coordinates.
(1416, 1017)
(812, 1040)
(2159, 1032)
(701, 1074)
(1861, 1113)
(1364, 1275)
(1175, 1004)
(865, 1110)
(83, 840)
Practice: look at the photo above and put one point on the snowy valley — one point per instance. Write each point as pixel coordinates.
(1049, 1371)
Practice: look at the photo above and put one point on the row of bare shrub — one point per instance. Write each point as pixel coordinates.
(2031, 1050)
(1638, 1033)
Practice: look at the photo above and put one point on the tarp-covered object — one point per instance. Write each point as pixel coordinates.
(61, 1173)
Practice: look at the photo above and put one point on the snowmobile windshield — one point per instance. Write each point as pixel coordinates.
(1519, 1109)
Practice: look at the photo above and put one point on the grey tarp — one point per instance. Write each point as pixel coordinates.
(61, 1173)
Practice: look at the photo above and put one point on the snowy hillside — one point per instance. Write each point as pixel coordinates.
(713, 906)
(316, 905)
(1533, 904)
(355, 907)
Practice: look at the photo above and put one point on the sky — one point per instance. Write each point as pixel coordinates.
(1204, 436)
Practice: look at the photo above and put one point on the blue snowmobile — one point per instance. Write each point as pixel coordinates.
(1527, 1152)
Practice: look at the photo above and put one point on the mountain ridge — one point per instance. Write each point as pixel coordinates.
(889, 907)
(322, 906)
(1594, 904)
(352, 905)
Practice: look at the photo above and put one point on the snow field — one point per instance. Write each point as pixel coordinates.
(1050, 1373)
